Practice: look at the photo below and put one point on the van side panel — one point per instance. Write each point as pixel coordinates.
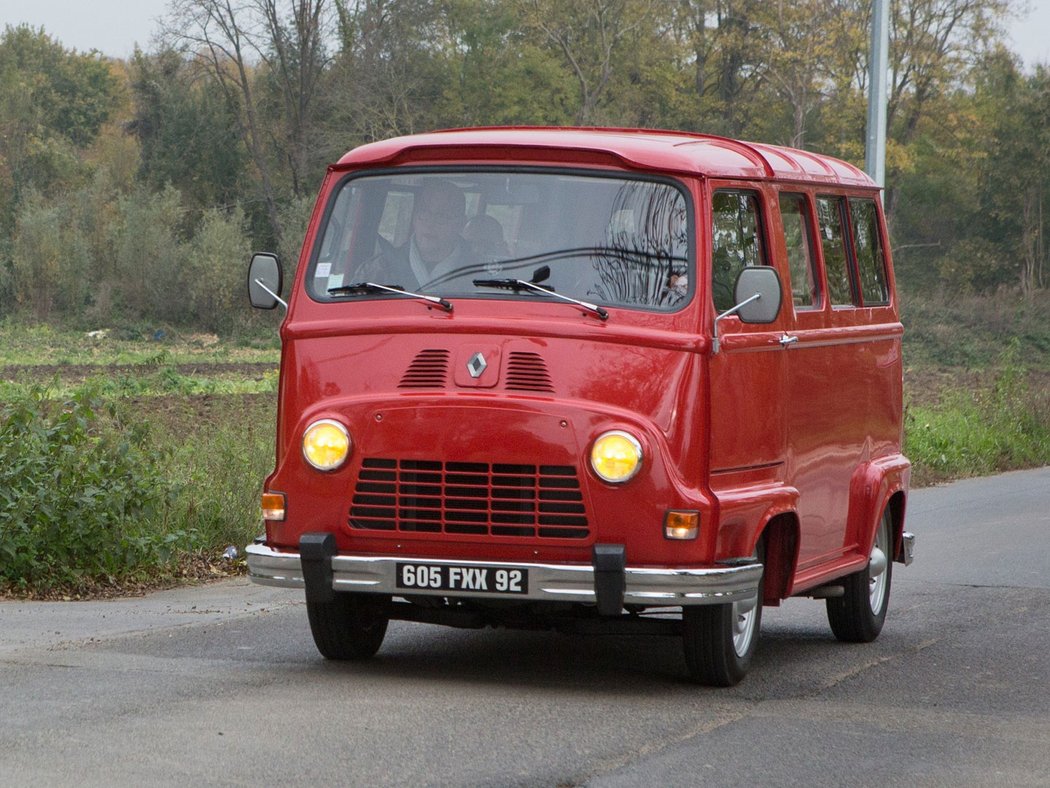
(805, 415)
(841, 419)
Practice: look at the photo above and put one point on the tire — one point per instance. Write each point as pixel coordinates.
(858, 615)
(719, 640)
(351, 627)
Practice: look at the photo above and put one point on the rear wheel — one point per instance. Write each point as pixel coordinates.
(719, 640)
(858, 615)
(350, 627)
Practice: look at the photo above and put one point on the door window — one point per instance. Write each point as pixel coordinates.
(736, 240)
(833, 242)
(798, 237)
(871, 262)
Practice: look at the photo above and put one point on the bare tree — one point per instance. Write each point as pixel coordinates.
(238, 42)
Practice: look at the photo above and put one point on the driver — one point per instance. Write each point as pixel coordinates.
(436, 248)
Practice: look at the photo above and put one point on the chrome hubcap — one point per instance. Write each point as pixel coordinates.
(744, 625)
(877, 565)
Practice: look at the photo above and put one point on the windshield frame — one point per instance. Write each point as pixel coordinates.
(486, 294)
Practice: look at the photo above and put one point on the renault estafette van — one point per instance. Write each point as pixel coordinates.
(588, 380)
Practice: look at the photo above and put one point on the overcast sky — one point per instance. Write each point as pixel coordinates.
(114, 26)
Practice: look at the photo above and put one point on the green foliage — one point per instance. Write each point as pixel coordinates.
(150, 263)
(53, 103)
(295, 216)
(999, 427)
(81, 493)
(214, 271)
(220, 475)
(176, 113)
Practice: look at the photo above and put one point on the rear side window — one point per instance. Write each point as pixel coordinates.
(805, 285)
(736, 240)
(833, 242)
(871, 263)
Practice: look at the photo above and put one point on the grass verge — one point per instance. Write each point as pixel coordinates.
(1000, 422)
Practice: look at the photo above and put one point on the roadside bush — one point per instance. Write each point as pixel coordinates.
(81, 493)
(1001, 426)
(220, 473)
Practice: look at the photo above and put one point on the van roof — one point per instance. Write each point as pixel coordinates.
(648, 149)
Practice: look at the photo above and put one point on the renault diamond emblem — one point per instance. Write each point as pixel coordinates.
(476, 365)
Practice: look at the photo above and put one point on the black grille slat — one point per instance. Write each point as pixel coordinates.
(566, 533)
(498, 500)
(560, 495)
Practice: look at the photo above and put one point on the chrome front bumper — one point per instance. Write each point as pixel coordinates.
(547, 582)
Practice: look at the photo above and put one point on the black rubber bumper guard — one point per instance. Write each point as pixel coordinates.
(609, 561)
(315, 556)
(610, 578)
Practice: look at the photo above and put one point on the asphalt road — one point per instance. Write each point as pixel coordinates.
(222, 685)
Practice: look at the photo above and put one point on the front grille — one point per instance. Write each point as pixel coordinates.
(481, 499)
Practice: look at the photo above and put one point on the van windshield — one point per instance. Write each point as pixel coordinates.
(615, 241)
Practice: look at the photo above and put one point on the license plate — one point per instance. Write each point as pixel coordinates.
(452, 578)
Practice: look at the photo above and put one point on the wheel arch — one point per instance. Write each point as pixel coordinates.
(876, 486)
(896, 506)
(781, 536)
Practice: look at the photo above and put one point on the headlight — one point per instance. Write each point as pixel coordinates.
(326, 444)
(616, 456)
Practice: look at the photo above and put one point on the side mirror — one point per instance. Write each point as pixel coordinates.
(764, 282)
(757, 295)
(265, 281)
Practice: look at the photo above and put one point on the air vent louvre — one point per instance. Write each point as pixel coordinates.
(429, 369)
(528, 372)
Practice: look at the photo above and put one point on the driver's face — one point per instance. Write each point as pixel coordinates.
(436, 225)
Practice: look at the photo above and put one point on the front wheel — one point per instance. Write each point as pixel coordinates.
(719, 640)
(858, 615)
(351, 627)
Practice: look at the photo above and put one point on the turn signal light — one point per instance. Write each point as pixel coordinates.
(273, 506)
(681, 525)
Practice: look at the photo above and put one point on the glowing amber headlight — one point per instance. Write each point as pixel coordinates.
(326, 444)
(616, 456)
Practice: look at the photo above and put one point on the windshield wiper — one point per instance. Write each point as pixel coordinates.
(361, 288)
(540, 275)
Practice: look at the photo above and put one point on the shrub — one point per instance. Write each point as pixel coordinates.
(78, 485)
(220, 474)
(149, 256)
(218, 268)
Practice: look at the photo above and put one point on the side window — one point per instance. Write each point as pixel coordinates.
(805, 284)
(871, 263)
(833, 242)
(736, 241)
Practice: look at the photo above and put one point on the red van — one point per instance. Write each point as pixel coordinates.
(588, 380)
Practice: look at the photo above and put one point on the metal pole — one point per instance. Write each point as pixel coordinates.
(875, 142)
